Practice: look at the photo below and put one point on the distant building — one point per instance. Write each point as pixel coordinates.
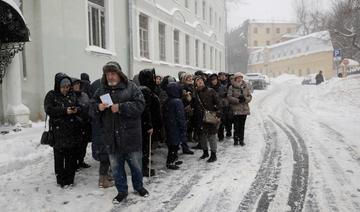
(266, 33)
(300, 56)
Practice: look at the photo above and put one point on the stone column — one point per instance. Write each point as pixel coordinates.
(16, 111)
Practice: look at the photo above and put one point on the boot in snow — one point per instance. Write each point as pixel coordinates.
(104, 182)
(205, 154)
(212, 157)
(242, 143)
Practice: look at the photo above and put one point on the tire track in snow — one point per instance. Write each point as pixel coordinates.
(339, 137)
(299, 181)
(264, 187)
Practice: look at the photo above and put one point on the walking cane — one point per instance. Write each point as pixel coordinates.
(150, 156)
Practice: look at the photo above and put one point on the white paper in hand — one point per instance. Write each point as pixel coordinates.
(106, 99)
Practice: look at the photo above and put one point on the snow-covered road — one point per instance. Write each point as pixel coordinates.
(302, 153)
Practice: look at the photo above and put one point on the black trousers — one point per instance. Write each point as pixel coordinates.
(225, 125)
(239, 127)
(104, 168)
(82, 152)
(65, 161)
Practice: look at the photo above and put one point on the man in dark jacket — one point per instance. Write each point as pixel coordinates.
(319, 78)
(98, 148)
(151, 118)
(121, 120)
(61, 106)
(175, 123)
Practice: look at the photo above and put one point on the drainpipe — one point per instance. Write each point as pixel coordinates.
(130, 43)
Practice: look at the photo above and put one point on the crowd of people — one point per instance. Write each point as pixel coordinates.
(142, 113)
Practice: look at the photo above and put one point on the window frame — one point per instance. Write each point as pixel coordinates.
(176, 43)
(162, 41)
(102, 40)
(144, 33)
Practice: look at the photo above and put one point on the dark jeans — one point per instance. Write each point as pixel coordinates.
(65, 161)
(239, 127)
(104, 168)
(117, 162)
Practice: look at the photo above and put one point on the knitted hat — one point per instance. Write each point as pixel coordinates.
(65, 82)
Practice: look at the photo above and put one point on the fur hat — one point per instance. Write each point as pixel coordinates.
(238, 74)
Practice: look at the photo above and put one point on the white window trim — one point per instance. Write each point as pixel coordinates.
(109, 30)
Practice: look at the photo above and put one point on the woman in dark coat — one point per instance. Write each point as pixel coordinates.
(208, 100)
(61, 106)
(175, 123)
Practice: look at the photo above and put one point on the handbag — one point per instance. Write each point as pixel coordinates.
(47, 137)
(209, 116)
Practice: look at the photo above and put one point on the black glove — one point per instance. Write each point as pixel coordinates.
(241, 99)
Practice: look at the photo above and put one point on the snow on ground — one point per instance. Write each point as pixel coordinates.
(302, 153)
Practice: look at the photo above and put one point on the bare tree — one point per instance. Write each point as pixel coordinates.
(309, 16)
(344, 26)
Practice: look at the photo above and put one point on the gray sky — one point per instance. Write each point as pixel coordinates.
(262, 10)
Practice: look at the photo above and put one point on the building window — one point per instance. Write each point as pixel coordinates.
(204, 10)
(288, 30)
(300, 72)
(211, 15)
(187, 4)
(187, 49)
(255, 43)
(268, 42)
(267, 30)
(162, 42)
(197, 53)
(144, 35)
(255, 30)
(308, 71)
(196, 7)
(211, 57)
(204, 55)
(96, 21)
(278, 30)
(176, 46)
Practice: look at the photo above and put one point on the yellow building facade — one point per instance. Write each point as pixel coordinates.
(261, 34)
(301, 56)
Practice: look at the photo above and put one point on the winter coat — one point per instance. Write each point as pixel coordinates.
(208, 99)
(224, 106)
(122, 130)
(98, 147)
(66, 128)
(147, 85)
(319, 78)
(174, 115)
(233, 94)
(83, 101)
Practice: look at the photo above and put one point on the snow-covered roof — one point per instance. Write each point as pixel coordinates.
(305, 45)
(258, 21)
